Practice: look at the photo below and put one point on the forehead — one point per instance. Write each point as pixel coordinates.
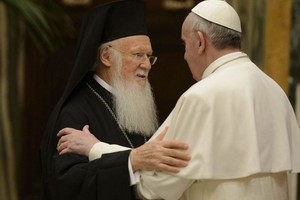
(141, 42)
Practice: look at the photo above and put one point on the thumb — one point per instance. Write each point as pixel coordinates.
(162, 134)
(86, 129)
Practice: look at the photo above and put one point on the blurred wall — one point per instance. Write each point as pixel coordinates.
(266, 25)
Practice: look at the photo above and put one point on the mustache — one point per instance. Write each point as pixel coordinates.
(142, 72)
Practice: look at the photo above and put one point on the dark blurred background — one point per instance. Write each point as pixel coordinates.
(37, 43)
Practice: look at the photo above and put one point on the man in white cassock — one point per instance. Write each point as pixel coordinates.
(241, 129)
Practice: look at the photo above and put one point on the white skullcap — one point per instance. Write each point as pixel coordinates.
(219, 12)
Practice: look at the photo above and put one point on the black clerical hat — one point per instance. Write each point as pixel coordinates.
(103, 24)
(124, 18)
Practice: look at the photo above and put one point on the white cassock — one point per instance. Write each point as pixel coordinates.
(242, 134)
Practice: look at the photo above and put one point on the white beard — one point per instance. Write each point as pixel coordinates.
(134, 105)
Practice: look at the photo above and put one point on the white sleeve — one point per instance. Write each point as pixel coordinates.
(134, 176)
(158, 185)
(102, 148)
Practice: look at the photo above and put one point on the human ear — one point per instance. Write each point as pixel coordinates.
(105, 57)
(201, 41)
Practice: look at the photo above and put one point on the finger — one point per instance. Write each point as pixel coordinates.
(64, 139)
(167, 168)
(86, 129)
(64, 151)
(61, 140)
(61, 132)
(58, 144)
(162, 134)
(174, 162)
(179, 154)
(65, 131)
(174, 144)
(61, 147)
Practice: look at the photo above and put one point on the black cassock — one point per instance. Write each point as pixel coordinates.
(71, 176)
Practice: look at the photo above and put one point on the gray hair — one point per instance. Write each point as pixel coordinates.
(220, 36)
(116, 55)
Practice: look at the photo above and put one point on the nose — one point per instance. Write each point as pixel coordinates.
(146, 64)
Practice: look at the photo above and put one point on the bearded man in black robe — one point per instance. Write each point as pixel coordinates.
(109, 91)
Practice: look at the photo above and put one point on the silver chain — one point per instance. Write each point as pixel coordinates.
(113, 115)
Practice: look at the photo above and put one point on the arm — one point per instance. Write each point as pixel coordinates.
(142, 158)
(77, 178)
(82, 142)
(154, 155)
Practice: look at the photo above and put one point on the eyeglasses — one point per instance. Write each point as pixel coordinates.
(138, 56)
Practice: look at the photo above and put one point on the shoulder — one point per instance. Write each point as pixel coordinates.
(80, 99)
(75, 110)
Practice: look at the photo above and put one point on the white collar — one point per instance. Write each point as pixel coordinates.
(222, 61)
(103, 83)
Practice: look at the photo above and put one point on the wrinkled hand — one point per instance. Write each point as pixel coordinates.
(160, 155)
(76, 141)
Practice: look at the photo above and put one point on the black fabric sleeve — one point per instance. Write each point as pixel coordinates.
(106, 178)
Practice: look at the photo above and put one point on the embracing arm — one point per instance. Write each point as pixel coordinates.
(157, 154)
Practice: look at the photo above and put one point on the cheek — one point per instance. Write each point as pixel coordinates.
(191, 58)
(187, 54)
(128, 71)
(125, 73)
